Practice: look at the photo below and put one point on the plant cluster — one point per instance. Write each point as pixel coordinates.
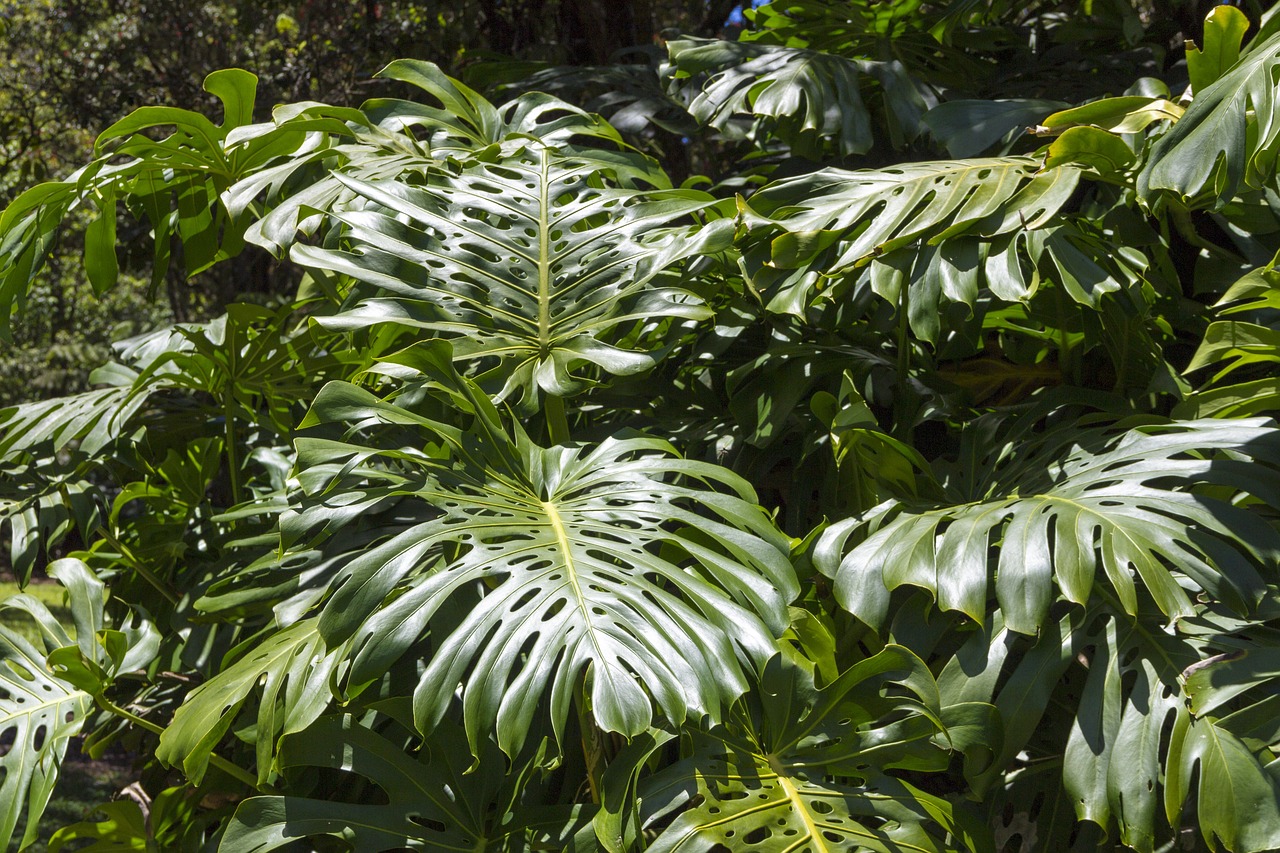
(927, 505)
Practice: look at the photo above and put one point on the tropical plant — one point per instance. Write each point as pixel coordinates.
(906, 502)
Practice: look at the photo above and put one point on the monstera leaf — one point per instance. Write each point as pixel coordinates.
(530, 265)
(432, 801)
(940, 230)
(870, 212)
(1126, 505)
(807, 770)
(292, 669)
(648, 574)
(38, 716)
(389, 138)
(46, 690)
(805, 97)
(1228, 138)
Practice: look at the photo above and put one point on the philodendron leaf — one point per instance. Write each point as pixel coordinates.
(1124, 505)
(1224, 29)
(807, 770)
(648, 574)
(292, 669)
(532, 265)
(1227, 139)
(39, 713)
(433, 802)
(807, 98)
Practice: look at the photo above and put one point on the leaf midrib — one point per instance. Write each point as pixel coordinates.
(571, 572)
(544, 279)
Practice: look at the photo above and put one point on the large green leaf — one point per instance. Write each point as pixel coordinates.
(647, 573)
(47, 688)
(1227, 139)
(432, 801)
(807, 770)
(1084, 501)
(532, 265)
(807, 98)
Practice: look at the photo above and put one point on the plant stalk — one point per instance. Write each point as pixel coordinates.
(233, 464)
(170, 594)
(593, 743)
(232, 770)
(557, 422)
(901, 429)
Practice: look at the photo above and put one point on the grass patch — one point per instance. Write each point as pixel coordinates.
(52, 595)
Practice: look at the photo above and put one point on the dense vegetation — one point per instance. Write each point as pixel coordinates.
(853, 436)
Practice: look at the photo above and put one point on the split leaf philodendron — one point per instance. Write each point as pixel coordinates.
(854, 497)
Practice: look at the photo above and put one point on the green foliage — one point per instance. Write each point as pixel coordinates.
(870, 499)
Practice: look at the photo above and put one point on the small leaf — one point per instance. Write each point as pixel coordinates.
(100, 261)
(1093, 147)
(1224, 29)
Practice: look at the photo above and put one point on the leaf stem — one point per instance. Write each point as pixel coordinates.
(901, 428)
(233, 465)
(232, 770)
(170, 594)
(593, 746)
(557, 423)
(1185, 226)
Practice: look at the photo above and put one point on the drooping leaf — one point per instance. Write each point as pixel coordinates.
(1061, 514)
(807, 773)
(432, 802)
(807, 98)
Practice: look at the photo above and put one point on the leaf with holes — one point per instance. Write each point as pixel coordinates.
(806, 98)
(649, 574)
(531, 265)
(1079, 502)
(807, 769)
(39, 712)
